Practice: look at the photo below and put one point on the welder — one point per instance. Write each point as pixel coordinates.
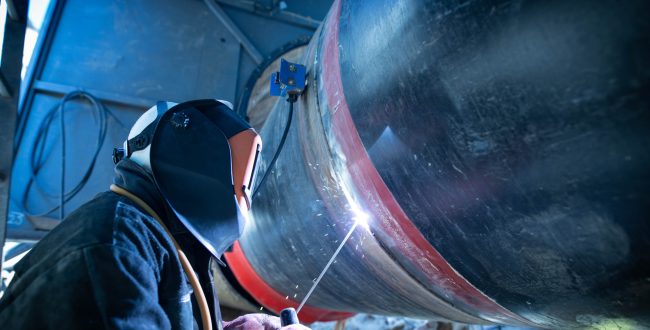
(140, 255)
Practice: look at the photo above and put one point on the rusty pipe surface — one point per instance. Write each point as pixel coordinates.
(500, 149)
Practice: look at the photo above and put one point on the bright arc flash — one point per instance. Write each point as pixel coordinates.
(361, 218)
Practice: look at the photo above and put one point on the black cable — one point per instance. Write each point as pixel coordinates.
(38, 154)
(62, 129)
(292, 99)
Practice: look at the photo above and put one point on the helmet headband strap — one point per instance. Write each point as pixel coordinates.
(143, 140)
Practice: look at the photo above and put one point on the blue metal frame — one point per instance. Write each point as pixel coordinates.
(10, 67)
(39, 54)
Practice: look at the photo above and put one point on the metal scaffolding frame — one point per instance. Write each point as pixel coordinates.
(10, 68)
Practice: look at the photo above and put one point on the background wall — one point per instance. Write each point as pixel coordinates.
(128, 55)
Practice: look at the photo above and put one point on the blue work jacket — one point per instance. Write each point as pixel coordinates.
(110, 265)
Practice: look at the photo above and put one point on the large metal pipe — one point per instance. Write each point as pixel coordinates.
(501, 150)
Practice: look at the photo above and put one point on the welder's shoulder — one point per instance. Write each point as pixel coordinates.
(107, 220)
(104, 252)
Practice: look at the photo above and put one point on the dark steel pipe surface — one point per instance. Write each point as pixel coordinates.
(501, 150)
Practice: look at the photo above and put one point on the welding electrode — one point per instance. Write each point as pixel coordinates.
(288, 316)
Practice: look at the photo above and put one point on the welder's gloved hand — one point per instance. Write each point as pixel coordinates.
(259, 321)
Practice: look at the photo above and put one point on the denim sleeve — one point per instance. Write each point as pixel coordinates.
(124, 289)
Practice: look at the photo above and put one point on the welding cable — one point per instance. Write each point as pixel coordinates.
(38, 154)
(292, 99)
(187, 267)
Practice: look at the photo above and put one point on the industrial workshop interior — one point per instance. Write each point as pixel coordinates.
(325, 164)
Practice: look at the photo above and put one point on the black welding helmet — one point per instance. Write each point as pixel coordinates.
(202, 157)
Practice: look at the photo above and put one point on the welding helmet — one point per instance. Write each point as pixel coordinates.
(202, 157)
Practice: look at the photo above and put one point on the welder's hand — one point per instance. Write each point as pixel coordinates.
(259, 322)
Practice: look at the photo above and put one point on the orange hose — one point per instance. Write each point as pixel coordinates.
(194, 281)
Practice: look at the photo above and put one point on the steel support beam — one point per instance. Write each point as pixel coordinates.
(106, 97)
(15, 13)
(274, 12)
(4, 87)
(10, 67)
(236, 32)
